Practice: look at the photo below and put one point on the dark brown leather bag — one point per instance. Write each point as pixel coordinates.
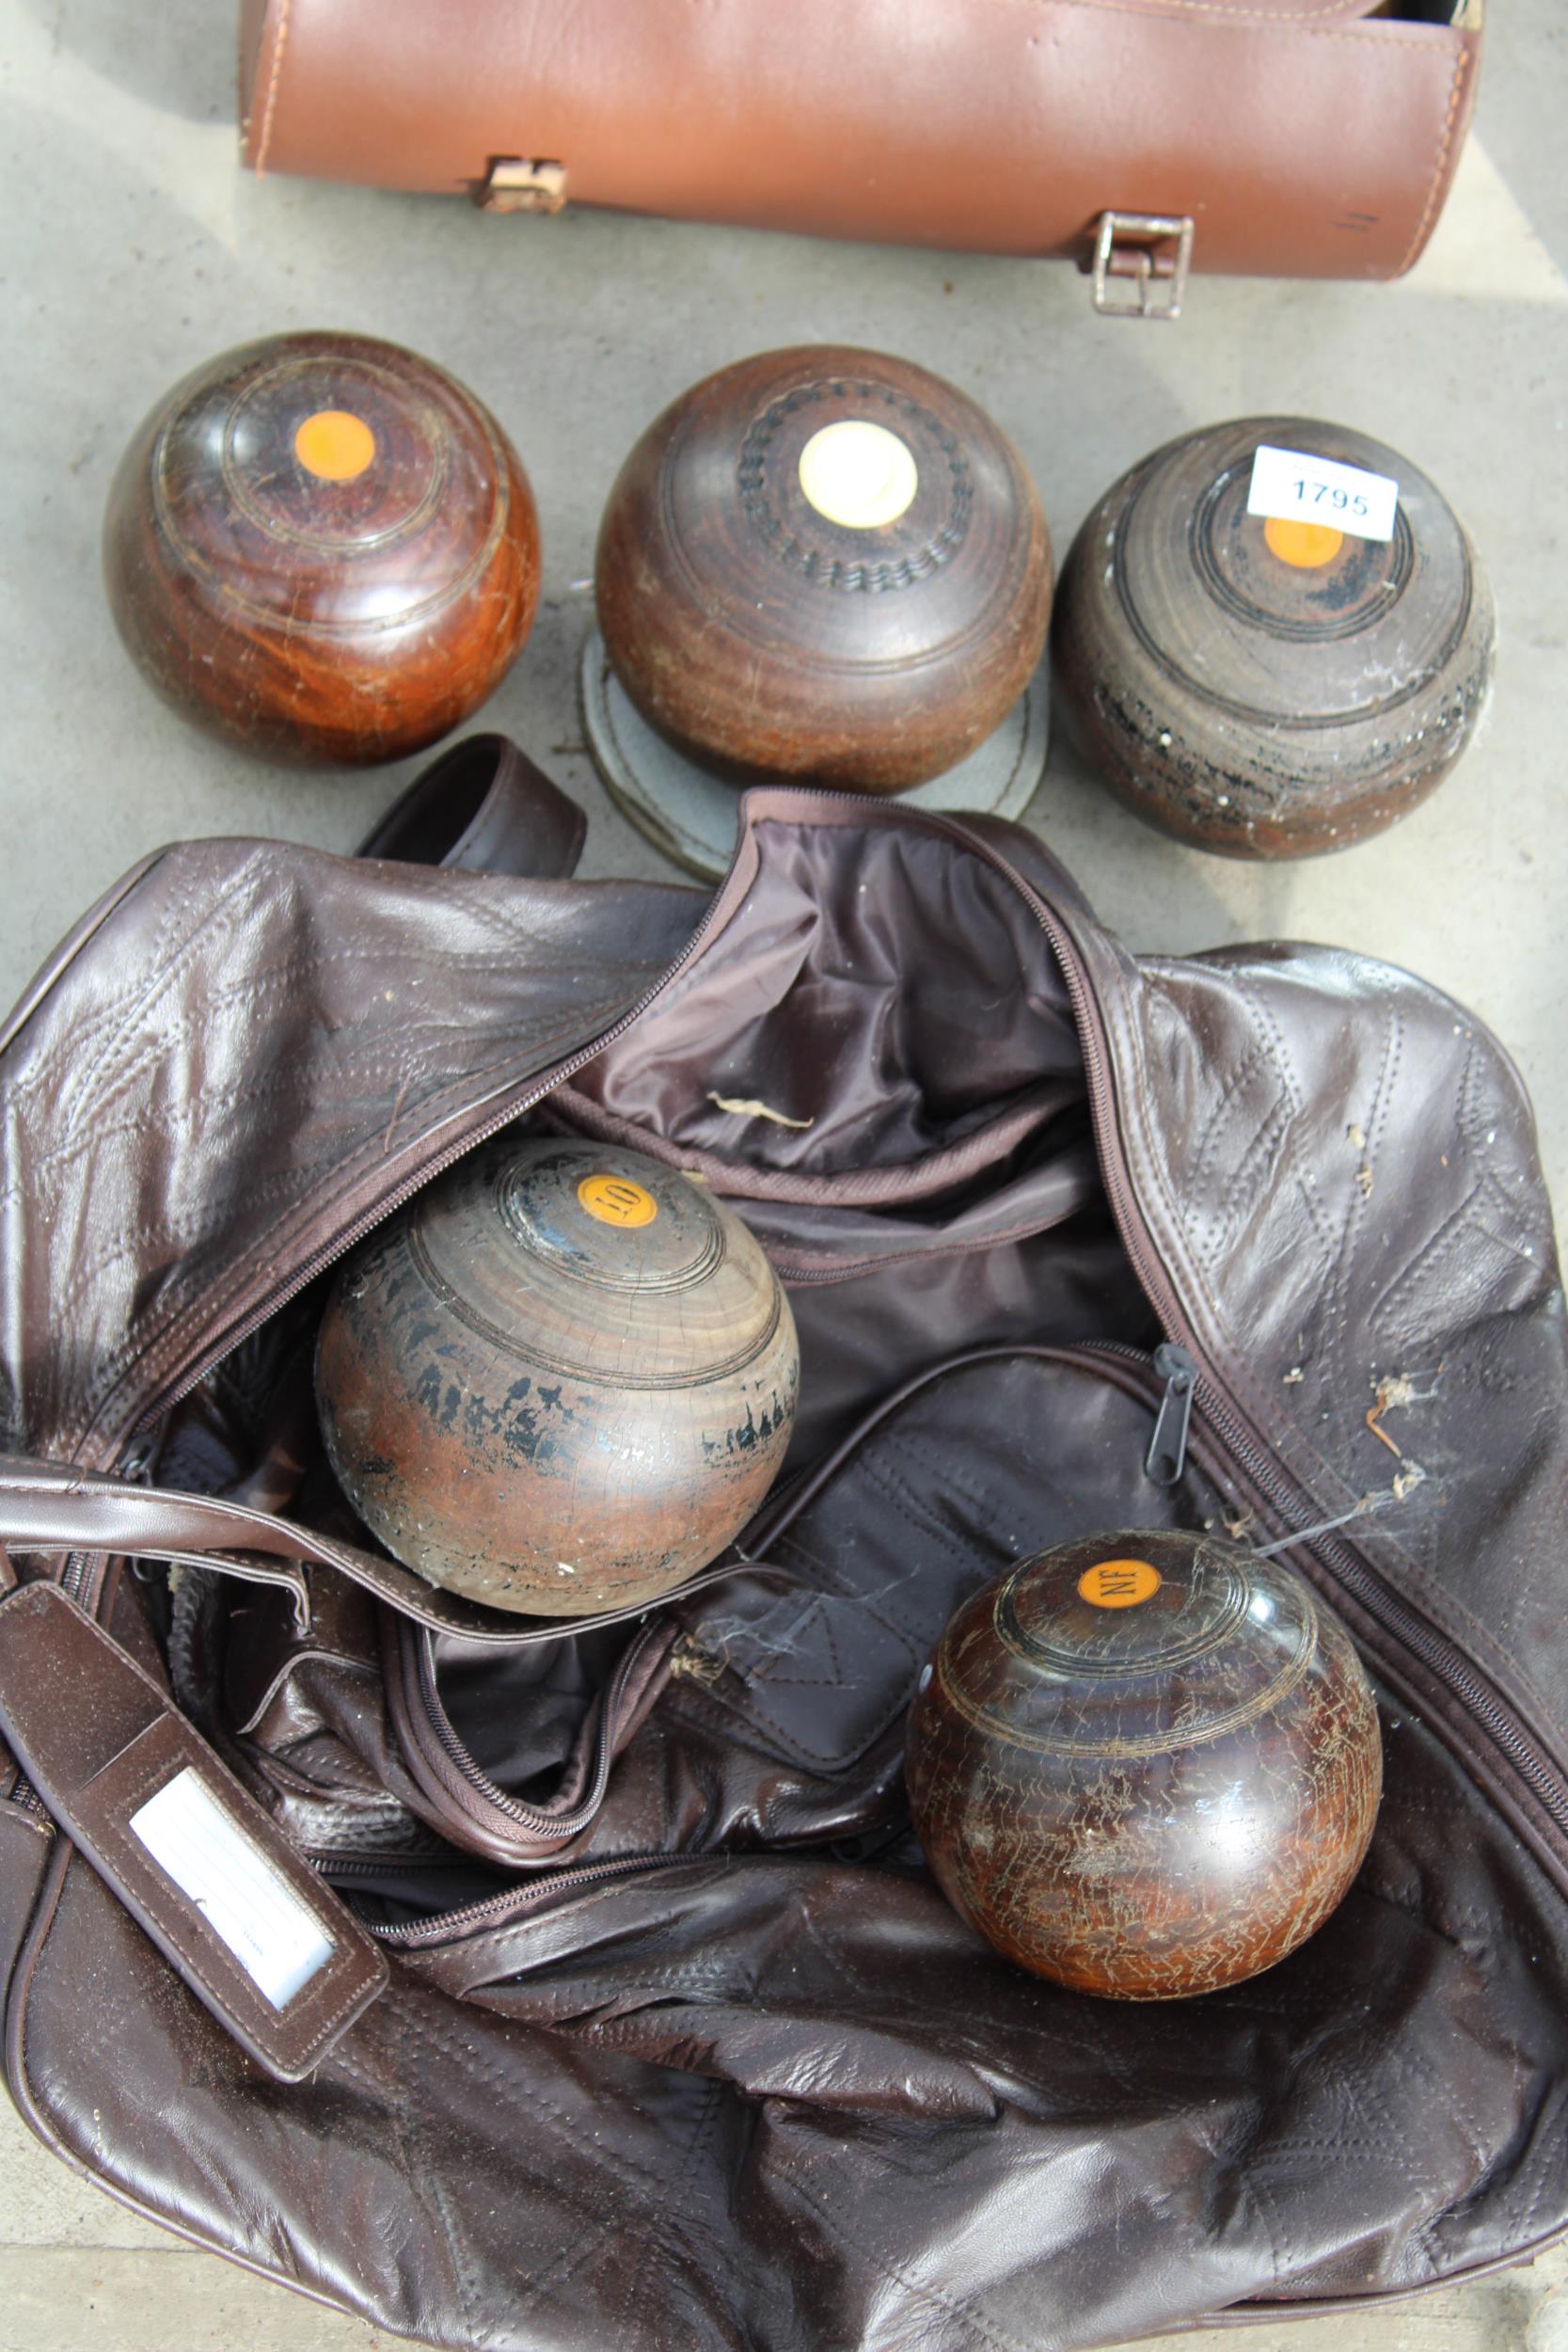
(639, 2018)
(1299, 138)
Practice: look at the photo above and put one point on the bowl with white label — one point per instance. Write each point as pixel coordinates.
(826, 565)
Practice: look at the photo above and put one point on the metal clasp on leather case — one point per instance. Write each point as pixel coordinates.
(1139, 245)
(519, 183)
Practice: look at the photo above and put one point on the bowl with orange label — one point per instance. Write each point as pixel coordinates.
(1146, 1764)
(560, 1381)
(322, 548)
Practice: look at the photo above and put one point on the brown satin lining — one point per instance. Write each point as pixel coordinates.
(813, 1005)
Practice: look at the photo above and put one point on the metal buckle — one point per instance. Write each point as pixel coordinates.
(1138, 246)
(519, 184)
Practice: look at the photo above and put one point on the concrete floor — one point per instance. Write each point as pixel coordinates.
(134, 250)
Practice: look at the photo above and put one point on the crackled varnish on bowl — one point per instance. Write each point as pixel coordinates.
(322, 548)
(561, 1381)
(1145, 1764)
(828, 563)
(1269, 690)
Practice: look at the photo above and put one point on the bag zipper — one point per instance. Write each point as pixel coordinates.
(480, 1800)
(514, 1902)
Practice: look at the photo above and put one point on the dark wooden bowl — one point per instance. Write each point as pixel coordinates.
(758, 629)
(561, 1381)
(1145, 1764)
(321, 548)
(1252, 702)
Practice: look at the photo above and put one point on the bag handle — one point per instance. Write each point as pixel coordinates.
(483, 807)
(56, 1507)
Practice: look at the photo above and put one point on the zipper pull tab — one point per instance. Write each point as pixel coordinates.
(1167, 1449)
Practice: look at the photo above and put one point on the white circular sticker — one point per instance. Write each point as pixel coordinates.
(858, 475)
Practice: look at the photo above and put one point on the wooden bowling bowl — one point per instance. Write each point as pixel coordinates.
(1262, 691)
(824, 564)
(1145, 1764)
(561, 1381)
(322, 548)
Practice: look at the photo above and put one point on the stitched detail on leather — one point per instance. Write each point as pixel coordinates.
(581, 2237)
(996, 1525)
(1462, 67)
(917, 2291)
(148, 1354)
(1349, 1377)
(279, 42)
(459, 2049)
(709, 2105)
(1384, 1309)
(1269, 1147)
(1275, 1139)
(391, 2090)
(1445, 2094)
(1541, 2156)
(713, 1984)
(1453, 1617)
(384, 1063)
(743, 1725)
(1479, 1136)
(880, 1473)
(779, 1740)
(276, 980)
(203, 924)
(1206, 1143)
(1448, 1612)
(1382, 2138)
(49, 1070)
(818, 1619)
(354, 1786)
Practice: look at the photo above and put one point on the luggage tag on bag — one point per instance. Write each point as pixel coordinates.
(1288, 486)
(269, 1948)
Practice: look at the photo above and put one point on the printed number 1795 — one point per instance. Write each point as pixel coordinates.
(1326, 495)
(1293, 482)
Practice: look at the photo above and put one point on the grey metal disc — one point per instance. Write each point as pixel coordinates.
(693, 814)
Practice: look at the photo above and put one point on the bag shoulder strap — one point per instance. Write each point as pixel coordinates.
(56, 1507)
(483, 807)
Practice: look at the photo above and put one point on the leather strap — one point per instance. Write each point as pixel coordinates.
(54, 1508)
(269, 1948)
(484, 807)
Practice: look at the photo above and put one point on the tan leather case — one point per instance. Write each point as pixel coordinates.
(1300, 137)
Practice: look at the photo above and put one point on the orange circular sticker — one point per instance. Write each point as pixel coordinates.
(333, 445)
(617, 1201)
(1119, 1584)
(1304, 546)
